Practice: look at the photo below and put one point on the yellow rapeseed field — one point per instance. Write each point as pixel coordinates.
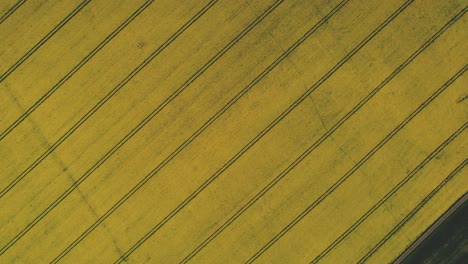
(222, 131)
